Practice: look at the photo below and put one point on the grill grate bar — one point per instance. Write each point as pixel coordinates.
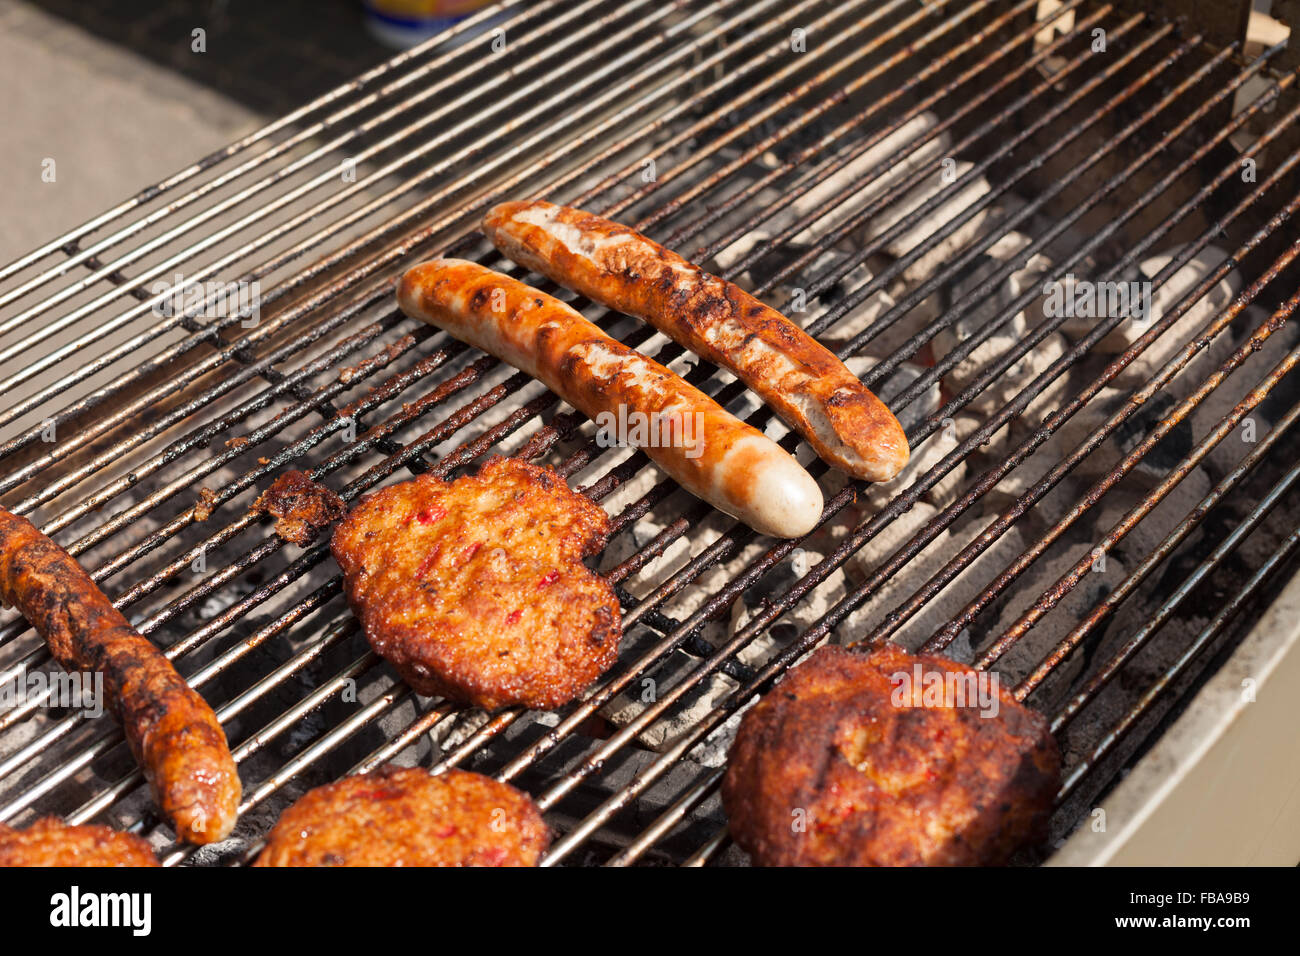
(677, 634)
(805, 118)
(304, 134)
(689, 739)
(860, 217)
(1238, 534)
(73, 237)
(1052, 596)
(1275, 563)
(190, 556)
(594, 53)
(942, 638)
(209, 333)
(1040, 489)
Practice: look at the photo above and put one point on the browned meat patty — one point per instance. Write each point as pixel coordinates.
(51, 842)
(475, 590)
(829, 769)
(407, 817)
(300, 506)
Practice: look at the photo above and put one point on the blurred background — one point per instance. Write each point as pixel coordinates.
(120, 93)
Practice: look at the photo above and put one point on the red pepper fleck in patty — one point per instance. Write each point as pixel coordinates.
(431, 514)
(429, 558)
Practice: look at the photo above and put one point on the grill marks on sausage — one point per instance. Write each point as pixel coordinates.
(790, 370)
(597, 374)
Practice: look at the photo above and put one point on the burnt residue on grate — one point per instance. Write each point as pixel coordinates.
(913, 186)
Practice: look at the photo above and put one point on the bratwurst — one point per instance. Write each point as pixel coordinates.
(712, 454)
(173, 733)
(811, 389)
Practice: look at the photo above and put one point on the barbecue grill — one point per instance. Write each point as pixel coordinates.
(1104, 526)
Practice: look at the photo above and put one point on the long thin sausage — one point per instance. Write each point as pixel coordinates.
(714, 455)
(173, 733)
(811, 389)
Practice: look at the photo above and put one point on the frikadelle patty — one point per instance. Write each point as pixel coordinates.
(475, 589)
(847, 763)
(51, 842)
(407, 817)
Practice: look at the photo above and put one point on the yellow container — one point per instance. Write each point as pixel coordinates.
(404, 23)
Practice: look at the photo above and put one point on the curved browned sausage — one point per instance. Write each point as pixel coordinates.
(171, 730)
(729, 464)
(811, 389)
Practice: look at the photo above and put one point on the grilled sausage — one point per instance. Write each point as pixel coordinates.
(812, 390)
(729, 464)
(171, 730)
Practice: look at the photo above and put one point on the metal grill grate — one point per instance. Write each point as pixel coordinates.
(745, 135)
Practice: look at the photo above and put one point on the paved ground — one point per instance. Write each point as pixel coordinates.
(111, 121)
(114, 94)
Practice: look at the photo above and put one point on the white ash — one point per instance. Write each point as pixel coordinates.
(698, 702)
(681, 717)
(890, 538)
(862, 316)
(1011, 243)
(966, 424)
(924, 457)
(820, 196)
(1015, 378)
(631, 541)
(712, 750)
(793, 622)
(819, 199)
(1164, 298)
(728, 257)
(887, 341)
(451, 732)
(956, 199)
(696, 705)
(981, 308)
